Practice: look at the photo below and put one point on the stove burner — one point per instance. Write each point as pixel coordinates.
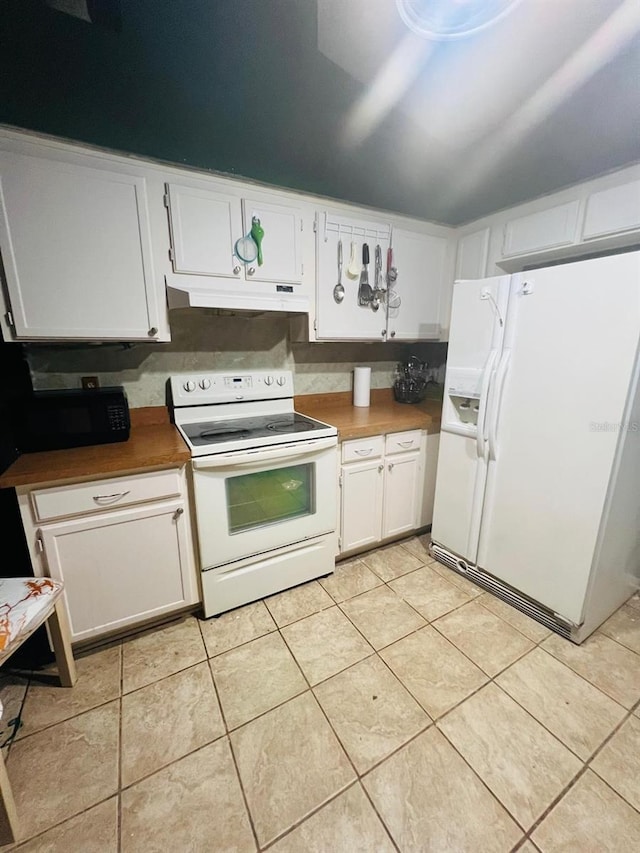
(223, 433)
(289, 426)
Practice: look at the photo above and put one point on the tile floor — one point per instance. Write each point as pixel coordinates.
(391, 706)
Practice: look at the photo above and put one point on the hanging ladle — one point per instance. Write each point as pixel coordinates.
(338, 290)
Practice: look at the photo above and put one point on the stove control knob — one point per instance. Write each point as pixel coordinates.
(268, 380)
(205, 384)
(282, 380)
(189, 385)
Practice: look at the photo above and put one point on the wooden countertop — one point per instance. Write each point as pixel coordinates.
(382, 416)
(153, 443)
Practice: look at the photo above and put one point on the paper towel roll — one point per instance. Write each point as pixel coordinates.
(361, 386)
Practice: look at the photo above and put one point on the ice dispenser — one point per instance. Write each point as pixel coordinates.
(462, 400)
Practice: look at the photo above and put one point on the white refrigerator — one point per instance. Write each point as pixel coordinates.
(538, 484)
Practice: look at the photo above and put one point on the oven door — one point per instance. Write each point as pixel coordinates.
(250, 502)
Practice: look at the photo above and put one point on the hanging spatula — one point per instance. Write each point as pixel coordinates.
(365, 293)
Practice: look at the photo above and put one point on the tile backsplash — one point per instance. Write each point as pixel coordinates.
(203, 340)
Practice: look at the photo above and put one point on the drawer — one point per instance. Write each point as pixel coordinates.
(400, 442)
(362, 448)
(99, 495)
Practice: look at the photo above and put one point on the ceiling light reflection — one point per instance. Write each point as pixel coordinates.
(445, 20)
(388, 87)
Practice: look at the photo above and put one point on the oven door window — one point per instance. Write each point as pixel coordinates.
(269, 497)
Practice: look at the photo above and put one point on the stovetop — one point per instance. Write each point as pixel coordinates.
(211, 433)
(224, 412)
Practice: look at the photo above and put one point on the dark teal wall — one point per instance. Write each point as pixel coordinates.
(235, 86)
(239, 86)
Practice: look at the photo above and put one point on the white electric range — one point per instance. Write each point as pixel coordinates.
(264, 482)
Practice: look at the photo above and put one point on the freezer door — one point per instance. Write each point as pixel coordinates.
(475, 342)
(477, 313)
(559, 395)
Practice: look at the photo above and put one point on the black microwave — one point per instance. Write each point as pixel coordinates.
(73, 417)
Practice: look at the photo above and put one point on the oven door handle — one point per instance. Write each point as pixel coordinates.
(255, 457)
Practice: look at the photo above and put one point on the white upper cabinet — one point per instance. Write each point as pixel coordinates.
(410, 311)
(556, 226)
(206, 224)
(473, 251)
(281, 250)
(414, 307)
(612, 211)
(204, 228)
(76, 250)
(347, 319)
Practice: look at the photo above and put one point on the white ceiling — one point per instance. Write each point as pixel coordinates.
(476, 103)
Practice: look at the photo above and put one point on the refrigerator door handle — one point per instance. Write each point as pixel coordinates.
(484, 395)
(501, 375)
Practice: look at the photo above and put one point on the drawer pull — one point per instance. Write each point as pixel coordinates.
(406, 443)
(364, 452)
(110, 499)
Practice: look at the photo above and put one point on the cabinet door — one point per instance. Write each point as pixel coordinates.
(361, 504)
(204, 228)
(429, 465)
(281, 250)
(473, 251)
(122, 567)
(76, 251)
(346, 320)
(420, 262)
(401, 494)
(612, 211)
(545, 229)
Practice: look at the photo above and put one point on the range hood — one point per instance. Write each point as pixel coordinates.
(189, 295)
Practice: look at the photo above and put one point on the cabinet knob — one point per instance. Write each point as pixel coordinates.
(380, 469)
(383, 333)
(393, 334)
(236, 270)
(178, 512)
(251, 270)
(152, 332)
(391, 466)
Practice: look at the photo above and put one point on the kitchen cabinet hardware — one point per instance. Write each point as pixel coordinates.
(116, 496)
(393, 333)
(390, 466)
(178, 512)
(251, 271)
(364, 452)
(153, 331)
(380, 468)
(236, 270)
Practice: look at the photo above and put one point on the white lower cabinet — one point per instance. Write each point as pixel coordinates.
(383, 492)
(125, 564)
(361, 485)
